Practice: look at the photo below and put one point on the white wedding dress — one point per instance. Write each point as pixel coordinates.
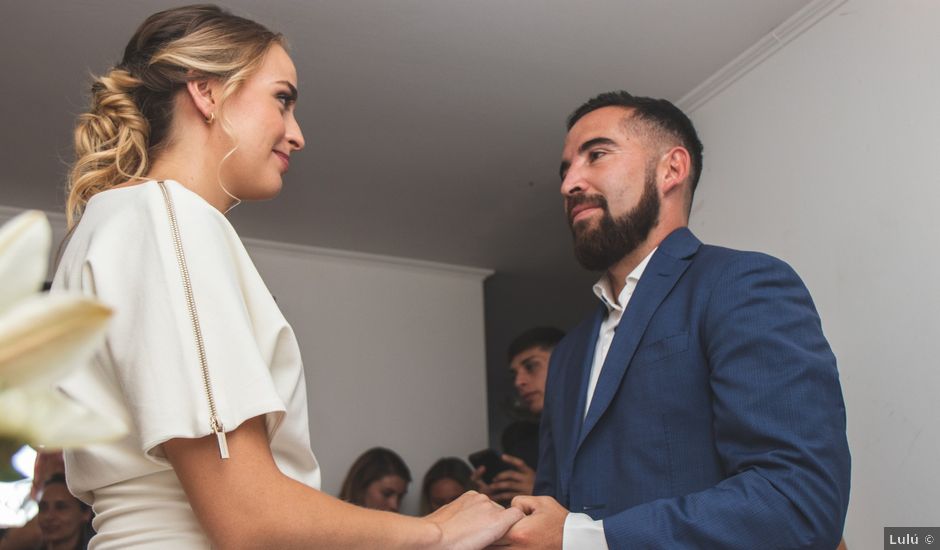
(148, 373)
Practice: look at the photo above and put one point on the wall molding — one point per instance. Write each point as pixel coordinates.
(423, 265)
(766, 47)
(57, 219)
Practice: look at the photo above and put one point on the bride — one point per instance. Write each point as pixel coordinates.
(199, 361)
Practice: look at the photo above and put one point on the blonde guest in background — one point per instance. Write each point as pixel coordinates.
(197, 116)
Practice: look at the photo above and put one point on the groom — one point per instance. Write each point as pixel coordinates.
(699, 406)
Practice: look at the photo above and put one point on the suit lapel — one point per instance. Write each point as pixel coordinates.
(665, 268)
(576, 380)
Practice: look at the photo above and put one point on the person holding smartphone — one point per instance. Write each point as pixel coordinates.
(528, 356)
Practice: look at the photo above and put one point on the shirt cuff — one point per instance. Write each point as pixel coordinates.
(583, 533)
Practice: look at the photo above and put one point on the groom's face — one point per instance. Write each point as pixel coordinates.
(609, 183)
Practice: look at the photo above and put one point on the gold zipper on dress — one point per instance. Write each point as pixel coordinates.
(214, 423)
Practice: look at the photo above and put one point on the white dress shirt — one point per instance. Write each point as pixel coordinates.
(581, 531)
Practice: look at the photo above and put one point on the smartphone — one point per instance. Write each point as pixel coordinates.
(494, 464)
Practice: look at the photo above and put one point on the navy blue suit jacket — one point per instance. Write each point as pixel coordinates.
(717, 421)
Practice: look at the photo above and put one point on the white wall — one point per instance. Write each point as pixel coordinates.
(394, 355)
(393, 350)
(825, 154)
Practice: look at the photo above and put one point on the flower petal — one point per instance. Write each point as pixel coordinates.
(47, 417)
(46, 336)
(24, 255)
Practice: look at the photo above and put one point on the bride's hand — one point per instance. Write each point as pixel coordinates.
(473, 521)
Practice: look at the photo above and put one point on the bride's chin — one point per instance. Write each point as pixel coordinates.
(259, 192)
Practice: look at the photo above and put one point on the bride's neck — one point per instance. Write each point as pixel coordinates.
(194, 173)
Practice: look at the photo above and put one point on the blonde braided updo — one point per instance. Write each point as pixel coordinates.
(132, 105)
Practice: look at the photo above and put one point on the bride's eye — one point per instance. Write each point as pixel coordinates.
(286, 98)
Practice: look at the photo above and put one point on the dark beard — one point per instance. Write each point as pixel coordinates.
(598, 249)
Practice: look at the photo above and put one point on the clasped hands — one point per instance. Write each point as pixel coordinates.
(473, 521)
(544, 521)
(542, 527)
(530, 522)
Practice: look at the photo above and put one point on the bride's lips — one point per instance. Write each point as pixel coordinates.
(285, 158)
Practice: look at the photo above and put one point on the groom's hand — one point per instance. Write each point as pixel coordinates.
(542, 527)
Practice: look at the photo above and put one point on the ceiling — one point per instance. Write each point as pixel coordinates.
(433, 127)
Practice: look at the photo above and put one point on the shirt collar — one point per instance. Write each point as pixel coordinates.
(603, 291)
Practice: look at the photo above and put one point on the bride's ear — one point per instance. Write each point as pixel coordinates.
(201, 93)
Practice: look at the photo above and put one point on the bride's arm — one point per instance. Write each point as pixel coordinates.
(246, 502)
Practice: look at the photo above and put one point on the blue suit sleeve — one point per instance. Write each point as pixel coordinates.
(779, 425)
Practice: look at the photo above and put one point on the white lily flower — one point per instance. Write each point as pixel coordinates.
(42, 339)
(51, 417)
(24, 247)
(45, 337)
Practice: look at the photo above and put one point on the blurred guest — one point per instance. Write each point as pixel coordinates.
(446, 480)
(47, 465)
(29, 536)
(378, 479)
(528, 356)
(64, 520)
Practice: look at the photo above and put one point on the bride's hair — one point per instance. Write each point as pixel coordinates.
(132, 105)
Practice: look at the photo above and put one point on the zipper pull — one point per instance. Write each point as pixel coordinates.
(220, 436)
(223, 445)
